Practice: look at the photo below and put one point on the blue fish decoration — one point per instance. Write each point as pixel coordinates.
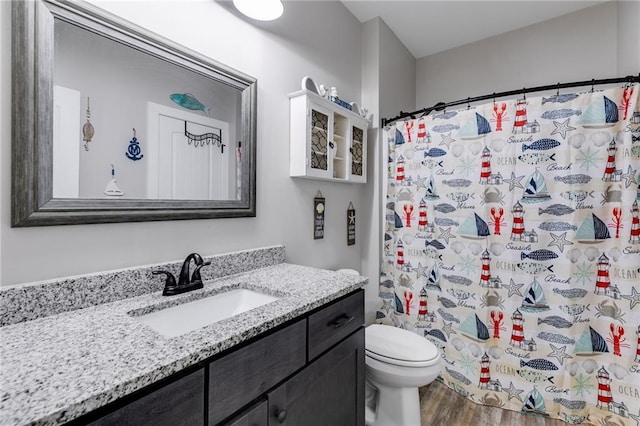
(556, 321)
(538, 364)
(434, 243)
(571, 404)
(458, 279)
(541, 144)
(445, 221)
(188, 101)
(457, 183)
(565, 97)
(571, 293)
(435, 152)
(555, 337)
(444, 208)
(438, 334)
(560, 113)
(444, 128)
(556, 210)
(557, 226)
(447, 316)
(447, 303)
(573, 179)
(541, 254)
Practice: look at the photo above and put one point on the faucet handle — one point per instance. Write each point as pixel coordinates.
(195, 277)
(170, 280)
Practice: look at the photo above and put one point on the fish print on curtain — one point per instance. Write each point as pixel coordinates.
(512, 243)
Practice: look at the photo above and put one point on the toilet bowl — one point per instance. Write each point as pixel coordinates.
(398, 362)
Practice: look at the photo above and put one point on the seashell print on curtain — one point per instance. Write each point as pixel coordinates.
(512, 242)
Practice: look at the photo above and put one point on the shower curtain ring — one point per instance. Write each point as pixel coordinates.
(593, 82)
(558, 89)
(524, 93)
(494, 98)
(468, 103)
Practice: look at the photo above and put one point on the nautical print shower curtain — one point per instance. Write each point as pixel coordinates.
(512, 242)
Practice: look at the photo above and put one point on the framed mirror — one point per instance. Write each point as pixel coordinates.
(112, 123)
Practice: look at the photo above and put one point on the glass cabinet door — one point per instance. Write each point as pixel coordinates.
(319, 140)
(357, 151)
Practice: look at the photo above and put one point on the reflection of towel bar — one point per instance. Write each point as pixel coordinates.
(205, 138)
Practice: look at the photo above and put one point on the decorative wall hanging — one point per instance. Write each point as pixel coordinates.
(133, 151)
(188, 101)
(87, 130)
(205, 138)
(351, 225)
(318, 216)
(522, 264)
(112, 189)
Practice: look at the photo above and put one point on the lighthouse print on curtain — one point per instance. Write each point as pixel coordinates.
(512, 242)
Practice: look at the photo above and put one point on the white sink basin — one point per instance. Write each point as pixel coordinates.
(180, 319)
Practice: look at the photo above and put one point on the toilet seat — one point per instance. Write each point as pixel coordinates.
(399, 347)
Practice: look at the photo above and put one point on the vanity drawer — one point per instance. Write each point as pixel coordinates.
(243, 375)
(335, 322)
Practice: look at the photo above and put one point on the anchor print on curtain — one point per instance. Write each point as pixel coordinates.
(512, 242)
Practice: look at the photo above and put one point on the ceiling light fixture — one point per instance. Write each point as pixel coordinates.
(262, 10)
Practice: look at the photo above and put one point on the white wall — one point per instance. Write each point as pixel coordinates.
(278, 54)
(578, 46)
(388, 76)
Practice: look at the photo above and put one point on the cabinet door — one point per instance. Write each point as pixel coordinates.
(256, 415)
(178, 403)
(330, 391)
(358, 153)
(319, 160)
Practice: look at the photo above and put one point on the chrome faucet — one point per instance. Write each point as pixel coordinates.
(186, 282)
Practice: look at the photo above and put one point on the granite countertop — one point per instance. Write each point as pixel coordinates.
(57, 368)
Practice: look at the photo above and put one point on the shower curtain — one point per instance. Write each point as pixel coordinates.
(512, 242)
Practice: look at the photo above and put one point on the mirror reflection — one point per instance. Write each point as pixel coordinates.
(128, 124)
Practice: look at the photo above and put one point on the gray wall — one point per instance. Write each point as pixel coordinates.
(578, 46)
(388, 76)
(278, 54)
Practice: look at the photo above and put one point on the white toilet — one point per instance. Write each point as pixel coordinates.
(398, 363)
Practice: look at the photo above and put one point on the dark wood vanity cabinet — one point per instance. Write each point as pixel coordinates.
(309, 372)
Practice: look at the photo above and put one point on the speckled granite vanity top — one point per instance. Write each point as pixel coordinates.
(58, 367)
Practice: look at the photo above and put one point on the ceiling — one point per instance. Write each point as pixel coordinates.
(426, 27)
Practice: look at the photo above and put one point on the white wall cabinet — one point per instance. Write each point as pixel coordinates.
(327, 141)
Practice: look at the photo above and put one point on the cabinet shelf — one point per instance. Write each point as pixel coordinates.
(339, 127)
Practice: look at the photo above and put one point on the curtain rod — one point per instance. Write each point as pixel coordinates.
(442, 105)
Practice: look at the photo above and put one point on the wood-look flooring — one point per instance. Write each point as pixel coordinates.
(441, 406)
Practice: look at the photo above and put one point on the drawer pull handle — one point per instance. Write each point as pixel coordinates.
(343, 319)
(281, 415)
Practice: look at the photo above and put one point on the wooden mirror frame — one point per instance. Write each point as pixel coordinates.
(32, 202)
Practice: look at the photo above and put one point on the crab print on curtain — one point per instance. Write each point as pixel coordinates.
(512, 242)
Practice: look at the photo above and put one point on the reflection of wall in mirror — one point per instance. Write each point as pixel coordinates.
(119, 82)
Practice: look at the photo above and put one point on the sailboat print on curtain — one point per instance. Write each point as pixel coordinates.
(590, 343)
(534, 300)
(475, 127)
(474, 227)
(534, 403)
(601, 113)
(474, 328)
(592, 230)
(536, 189)
(536, 286)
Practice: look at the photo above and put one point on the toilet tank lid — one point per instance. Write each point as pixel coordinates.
(396, 343)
